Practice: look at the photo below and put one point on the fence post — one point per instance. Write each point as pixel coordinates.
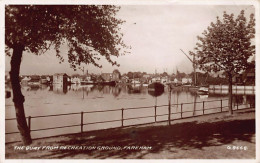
(203, 107)
(122, 117)
(169, 117)
(81, 124)
(154, 113)
(221, 105)
(237, 103)
(181, 110)
(29, 123)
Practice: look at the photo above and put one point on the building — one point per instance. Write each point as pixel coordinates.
(125, 79)
(75, 80)
(116, 75)
(25, 80)
(186, 80)
(245, 78)
(106, 76)
(60, 78)
(35, 80)
(44, 79)
(164, 80)
(87, 78)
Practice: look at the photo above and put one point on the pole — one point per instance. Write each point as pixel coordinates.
(237, 102)
(181, 110)
(81, 124)
(83, 80)
(169, 117)
(122, 120)
(154, 113)
(221, 105)
(203, 107)
(194, 69)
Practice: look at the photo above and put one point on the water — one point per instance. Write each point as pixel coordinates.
(47, 100)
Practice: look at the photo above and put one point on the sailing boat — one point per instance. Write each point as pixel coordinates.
(156, 85)
(194, 65)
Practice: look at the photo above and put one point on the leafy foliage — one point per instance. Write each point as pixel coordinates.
(226, 45)
(90, 31)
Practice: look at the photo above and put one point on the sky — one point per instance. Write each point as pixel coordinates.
(156, 34)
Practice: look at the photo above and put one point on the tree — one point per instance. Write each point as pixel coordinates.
(226, 46)
(180, 75)
(89, 31)
(117, 72)
(130, 75)
(164, 74)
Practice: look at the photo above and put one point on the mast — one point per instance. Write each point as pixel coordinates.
(193, 65)
(194, 70)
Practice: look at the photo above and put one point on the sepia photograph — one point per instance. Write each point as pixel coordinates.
(171, 80)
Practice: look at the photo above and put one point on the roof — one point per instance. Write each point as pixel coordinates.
(60, 74)
(35, 77)
(26, 78)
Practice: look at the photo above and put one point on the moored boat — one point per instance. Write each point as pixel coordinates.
(203, 90)
(156, 86)
(86, 82)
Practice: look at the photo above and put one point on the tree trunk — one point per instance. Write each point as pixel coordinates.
(18, 97)
(230, 94)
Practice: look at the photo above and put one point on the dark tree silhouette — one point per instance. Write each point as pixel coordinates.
(226, 46)
(89, 31)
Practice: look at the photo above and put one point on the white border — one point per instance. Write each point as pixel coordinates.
(125, 2)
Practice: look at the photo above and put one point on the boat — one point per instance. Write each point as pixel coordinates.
(203, 91)
(136, 83)
(156, 86)
(84, 82)
(134, 89)
(156, 89)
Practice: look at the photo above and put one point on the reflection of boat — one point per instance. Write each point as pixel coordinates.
(34, 83)
(193, 88)
(203, 96)
(203, 90)
(156, 89)
(111, 83)
(134, 89)
(155, 93)
(87, 87)
(136, 83)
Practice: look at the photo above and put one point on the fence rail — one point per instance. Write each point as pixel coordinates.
(236, 89)
(123, 118)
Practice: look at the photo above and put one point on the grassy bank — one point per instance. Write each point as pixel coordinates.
(209, 137)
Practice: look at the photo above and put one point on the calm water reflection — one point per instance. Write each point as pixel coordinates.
(56, 99)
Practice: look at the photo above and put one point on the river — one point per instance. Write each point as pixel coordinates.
(56, 99)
